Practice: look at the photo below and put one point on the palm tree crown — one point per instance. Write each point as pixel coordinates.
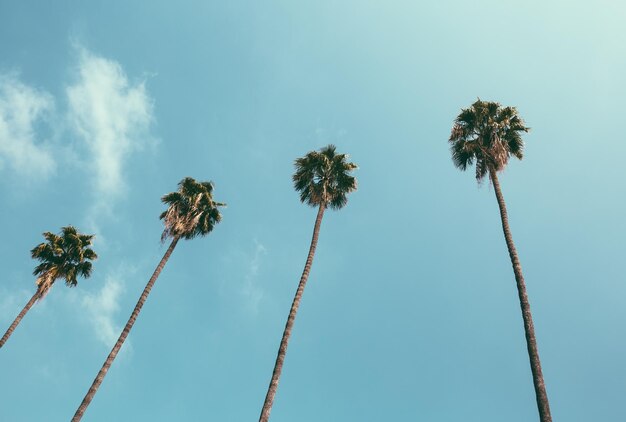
(488, 134)
(66, 255)
(323, 177)
(191, 210)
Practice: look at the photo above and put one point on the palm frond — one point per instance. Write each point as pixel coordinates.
(191, 210)
(65, 255)
(324, 177)
(463, 154)
(486, 134)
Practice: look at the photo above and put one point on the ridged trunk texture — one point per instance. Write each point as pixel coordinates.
(120, 341)
(531, 342)
(282, 350)
(17, 320)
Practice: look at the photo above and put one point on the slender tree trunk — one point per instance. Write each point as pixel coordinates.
(282, 350)
(29, 305)
(531, 342)
(120, 341)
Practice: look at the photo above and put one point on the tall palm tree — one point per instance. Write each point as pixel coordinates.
(66, 255)
(323, 180)
(191, 212)
(488, 134)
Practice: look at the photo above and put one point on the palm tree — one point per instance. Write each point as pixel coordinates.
(488, 134)
(191, 212)
(67, 256)
(323, 180)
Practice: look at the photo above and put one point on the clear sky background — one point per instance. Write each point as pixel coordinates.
(411, 311)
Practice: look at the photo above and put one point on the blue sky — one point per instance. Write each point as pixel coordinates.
(411, 311)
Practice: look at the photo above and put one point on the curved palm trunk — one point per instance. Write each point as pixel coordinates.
(531, 342)
(29, 305)
(282, 350)
(120, 341)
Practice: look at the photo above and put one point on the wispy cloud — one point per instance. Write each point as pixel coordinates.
(22, 108)
(107, 112)
(112, 116)
(101, 309)
(251, 290)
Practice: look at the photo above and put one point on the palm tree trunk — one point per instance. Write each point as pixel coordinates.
(531, 342)
(29, 305)
(120, 341)
(282, 350)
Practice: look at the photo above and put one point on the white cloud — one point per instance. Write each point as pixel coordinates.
(101, 309)
(250, 290)
(108, 113)
(21, 108)
(112, 116)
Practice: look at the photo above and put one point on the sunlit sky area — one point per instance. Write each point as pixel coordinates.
(411, 311)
